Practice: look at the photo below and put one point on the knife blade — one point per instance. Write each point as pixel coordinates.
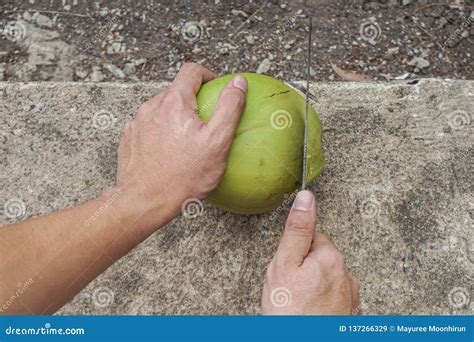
(305, 142)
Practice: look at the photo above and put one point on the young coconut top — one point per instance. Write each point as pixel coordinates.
(266, 156)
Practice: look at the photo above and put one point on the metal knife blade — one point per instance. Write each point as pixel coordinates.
(305, 142)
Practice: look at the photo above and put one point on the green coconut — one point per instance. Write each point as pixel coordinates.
(266, 157)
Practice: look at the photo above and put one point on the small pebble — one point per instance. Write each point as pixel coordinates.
(117, 72)
(97, 75)
(264, 66)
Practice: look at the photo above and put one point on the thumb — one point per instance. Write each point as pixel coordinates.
(299, 230)
(229, 107)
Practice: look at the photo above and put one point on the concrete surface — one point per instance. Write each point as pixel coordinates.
(395, 197)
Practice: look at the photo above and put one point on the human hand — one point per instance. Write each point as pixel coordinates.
(307, 274)
(167, 154)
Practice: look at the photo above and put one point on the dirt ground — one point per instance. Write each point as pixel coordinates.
(75, 40)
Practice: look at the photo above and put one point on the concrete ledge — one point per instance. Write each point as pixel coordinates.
(395, 197)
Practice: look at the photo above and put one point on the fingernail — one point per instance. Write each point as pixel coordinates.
(303, 201)
(240, 82)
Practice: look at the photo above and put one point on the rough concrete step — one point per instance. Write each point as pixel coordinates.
(395, 197)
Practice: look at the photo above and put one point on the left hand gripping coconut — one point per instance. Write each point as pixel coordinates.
(266, 157)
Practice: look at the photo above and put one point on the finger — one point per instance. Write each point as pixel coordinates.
(189, 79)
(229, 108)
(355, 289)
(299, 230)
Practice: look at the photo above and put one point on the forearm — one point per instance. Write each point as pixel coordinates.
(58, 254)
(158, 169)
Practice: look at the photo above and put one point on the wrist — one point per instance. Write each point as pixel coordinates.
(139, 211)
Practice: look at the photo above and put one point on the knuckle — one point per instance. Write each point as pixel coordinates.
(171, 99)
(217, 142)
(190, 66)
(355, 282)
(269, 271)
(299, 225)
(338, 257)
(282, 263)
(234, 96)
(217, 172)
(334, 258)
(158, 97)
(205, 135)
(318, 270)
(144, 108)
(125, 126)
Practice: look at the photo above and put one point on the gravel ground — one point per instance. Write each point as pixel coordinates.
(75, 40)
